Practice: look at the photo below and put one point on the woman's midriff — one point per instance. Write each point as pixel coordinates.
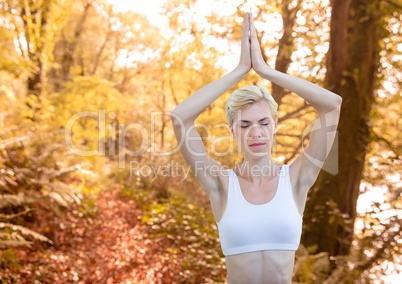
(265, 267)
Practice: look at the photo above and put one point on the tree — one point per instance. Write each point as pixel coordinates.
(352, 64)
(31, 22)
(66, 45)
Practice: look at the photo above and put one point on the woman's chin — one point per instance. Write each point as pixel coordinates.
(259, 151)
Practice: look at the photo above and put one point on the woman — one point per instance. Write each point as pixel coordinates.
(258, 205)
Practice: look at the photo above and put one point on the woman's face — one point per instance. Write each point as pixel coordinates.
(254, 128)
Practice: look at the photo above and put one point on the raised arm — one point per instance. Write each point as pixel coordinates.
(321, 99)
(193, 106)
(184, 115)
(305, 168)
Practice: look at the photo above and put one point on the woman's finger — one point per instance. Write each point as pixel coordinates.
(246, 30)
(245, 56)
(253, 31)
(246, 25)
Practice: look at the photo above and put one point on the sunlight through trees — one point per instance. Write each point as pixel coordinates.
(124, 68)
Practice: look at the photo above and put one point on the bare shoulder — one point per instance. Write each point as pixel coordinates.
(303, 173)
(215, 183)
(294, 172)
(300, 184)
(223, 178)
(214, 177)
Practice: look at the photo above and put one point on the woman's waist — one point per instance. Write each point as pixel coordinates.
(269, 266)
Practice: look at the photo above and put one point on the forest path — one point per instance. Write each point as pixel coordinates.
(112, 247)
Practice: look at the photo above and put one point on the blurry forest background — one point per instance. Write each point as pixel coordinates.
(85, 95)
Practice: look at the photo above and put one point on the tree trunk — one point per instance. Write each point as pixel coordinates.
(105, 42)
(286, 45)
(65, 49)
(35, 22)
(352, 62)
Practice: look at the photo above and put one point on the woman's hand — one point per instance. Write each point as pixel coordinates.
(245, 55)
(257, 61)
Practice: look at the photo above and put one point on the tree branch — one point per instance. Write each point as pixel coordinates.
(399, 6)
(290, 114)
(391, 147)
(380, 252)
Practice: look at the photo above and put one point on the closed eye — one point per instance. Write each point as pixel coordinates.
(263, 124)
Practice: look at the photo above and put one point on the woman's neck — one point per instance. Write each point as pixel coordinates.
(257, 167)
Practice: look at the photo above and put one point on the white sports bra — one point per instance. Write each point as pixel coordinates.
(246, 227)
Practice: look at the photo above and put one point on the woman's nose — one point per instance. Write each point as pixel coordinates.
(256, 131)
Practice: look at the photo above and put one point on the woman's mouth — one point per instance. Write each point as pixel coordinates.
(257, 144)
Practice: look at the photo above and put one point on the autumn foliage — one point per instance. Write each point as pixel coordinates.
(85, 96)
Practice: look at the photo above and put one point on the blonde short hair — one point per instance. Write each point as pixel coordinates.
(246, 96)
